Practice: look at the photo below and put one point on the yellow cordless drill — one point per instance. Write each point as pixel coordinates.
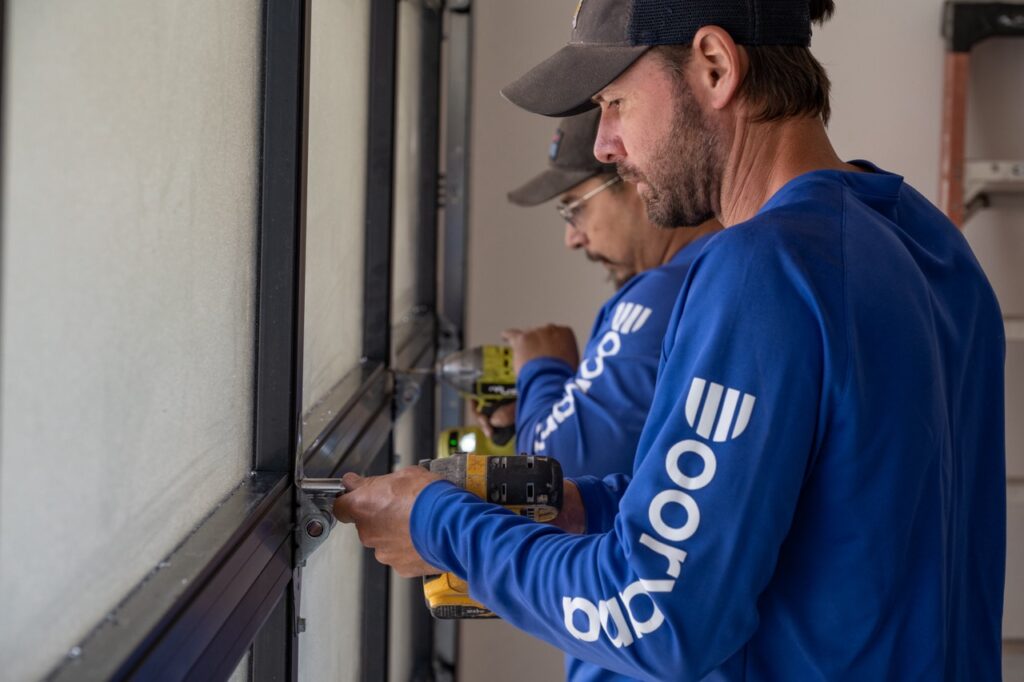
(485, 375)
(526, 484)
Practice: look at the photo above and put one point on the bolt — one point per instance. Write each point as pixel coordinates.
(314, 529)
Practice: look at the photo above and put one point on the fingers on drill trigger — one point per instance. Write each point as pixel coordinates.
(343, 504)
(502, 417)
(484, 424)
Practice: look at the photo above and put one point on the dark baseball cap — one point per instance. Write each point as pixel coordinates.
(570, 161)
(608, 36)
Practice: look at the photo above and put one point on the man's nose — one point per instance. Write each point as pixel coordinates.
(574, 238)
(608, 146)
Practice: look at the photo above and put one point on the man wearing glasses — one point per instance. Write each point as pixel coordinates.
(589, 413)
(820, 487)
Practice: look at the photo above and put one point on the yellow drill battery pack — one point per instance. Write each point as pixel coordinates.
(448, 598)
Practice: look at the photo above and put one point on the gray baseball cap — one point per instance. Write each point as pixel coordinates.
(570, 161)
(608, 36)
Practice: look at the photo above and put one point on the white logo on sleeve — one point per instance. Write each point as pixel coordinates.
(723, 408)
(615, 615)
(630, 317)
(718, 414)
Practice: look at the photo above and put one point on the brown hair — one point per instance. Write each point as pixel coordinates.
(783, 81)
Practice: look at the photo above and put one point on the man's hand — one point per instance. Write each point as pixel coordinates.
(549, 341)
(380, 507)
(502, 417)
(573, 517)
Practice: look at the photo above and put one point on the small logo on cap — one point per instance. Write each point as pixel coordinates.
(556, 142)
(576, 14)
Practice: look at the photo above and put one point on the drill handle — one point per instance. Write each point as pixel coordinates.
(502, 434)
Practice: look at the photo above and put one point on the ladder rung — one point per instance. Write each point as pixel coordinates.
(966, 24)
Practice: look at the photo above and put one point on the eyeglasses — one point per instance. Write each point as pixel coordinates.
(569, 211)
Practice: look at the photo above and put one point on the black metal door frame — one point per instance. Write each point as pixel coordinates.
(234, 583)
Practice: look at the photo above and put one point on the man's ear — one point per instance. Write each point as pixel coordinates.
(718, 66)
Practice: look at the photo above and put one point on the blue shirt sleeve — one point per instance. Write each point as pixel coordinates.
(540, 384)
(671, 590)
(601, 498)
(590, 419)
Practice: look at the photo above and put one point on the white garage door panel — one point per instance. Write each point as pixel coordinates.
(407, 157)
(130, 195)
(406, 596)
(335, 223)
(332, 607)
(335, 193)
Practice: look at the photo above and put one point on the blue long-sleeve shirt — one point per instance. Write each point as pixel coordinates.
(819, 490)
(590, 417)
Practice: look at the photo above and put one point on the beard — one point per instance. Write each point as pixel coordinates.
(614, 275)
(684, 179)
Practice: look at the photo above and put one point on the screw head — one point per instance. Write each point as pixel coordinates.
(314, 528)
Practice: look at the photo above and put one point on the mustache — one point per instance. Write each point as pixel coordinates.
(618, 279)
(630, 173)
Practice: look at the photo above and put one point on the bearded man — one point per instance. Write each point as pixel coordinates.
(819, 489)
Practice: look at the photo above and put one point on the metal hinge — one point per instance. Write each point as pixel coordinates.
(985, 179)
(316, 513)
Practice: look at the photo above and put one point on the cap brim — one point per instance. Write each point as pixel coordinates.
(563, 84)
(549, 185)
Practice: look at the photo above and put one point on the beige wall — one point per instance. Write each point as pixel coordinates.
(887, 91)
(519, 272)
